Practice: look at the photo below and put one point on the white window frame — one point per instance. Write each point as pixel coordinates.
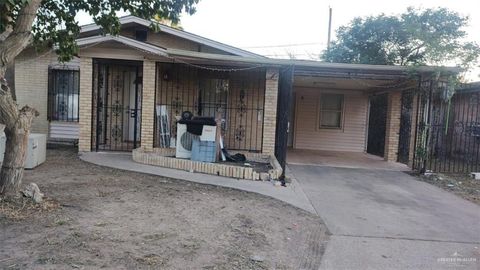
(320, 110)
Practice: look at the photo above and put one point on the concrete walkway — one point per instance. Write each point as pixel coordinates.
(292, 194)
(383, 219)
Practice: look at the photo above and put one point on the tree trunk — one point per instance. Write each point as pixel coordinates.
(17, 129)
(13, 161)
(17, 122)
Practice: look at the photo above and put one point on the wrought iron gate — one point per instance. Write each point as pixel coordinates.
(448, 136)
(377, 124)
(117, 105)
(405, 126)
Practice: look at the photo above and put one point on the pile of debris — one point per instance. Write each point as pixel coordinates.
(463, 185)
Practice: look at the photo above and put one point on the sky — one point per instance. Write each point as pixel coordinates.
(279, 28)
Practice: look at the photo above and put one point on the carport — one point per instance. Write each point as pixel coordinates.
(351, 115)
(341, 159)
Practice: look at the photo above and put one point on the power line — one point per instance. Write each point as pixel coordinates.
(293, 54)
(284, 45)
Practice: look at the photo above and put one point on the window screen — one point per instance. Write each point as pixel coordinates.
(63, 94)
(331, 109)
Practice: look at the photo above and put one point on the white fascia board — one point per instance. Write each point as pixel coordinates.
(304, 63)
(178, 33)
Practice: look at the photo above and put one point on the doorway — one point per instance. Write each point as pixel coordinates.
(405, 126)
(377, 124)
(117, 105)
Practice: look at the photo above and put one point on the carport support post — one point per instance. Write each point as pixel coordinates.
(85, 108)
(285, 89)
(393, 126)
(148, 105)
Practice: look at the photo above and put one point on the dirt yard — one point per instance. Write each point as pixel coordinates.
(112, 219)
(460, 184)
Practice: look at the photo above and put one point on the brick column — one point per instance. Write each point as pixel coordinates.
(148, 104)
(393, 126)
(270, 111)
(85, 110)
(411, 148)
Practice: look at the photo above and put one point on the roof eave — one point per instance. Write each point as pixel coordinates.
(305, 64)
(94, 40)
(179, 33)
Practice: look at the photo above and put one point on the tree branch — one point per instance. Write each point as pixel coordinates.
(19, 38)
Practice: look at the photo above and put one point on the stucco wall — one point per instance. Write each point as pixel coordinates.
(351, 137)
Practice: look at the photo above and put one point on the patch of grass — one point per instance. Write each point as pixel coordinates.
(61, 222)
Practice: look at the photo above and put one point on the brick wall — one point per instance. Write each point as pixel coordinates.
(31, 85)
(393, 126)
(85, 111)
(270, 118)
(160, 157)
(148, 105)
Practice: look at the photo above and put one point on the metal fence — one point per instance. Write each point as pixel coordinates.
(448, 131)
(237, 96)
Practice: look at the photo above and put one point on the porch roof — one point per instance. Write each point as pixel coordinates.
(301, 66)
(130, 19)
(310, 65)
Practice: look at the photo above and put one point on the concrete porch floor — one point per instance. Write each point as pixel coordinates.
(342, 160)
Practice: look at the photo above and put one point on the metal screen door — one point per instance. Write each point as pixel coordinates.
(118, 106)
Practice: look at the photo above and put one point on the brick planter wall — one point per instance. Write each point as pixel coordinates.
(165, 158)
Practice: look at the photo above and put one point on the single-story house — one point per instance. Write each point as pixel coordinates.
(125, 93)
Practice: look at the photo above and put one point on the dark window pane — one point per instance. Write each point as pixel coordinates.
(330, 119)
(332, 101)
(63, 95)
(331, 109)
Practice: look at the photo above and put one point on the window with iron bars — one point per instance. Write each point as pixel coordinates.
(63, 95)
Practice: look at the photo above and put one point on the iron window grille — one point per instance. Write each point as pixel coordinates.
(63, 95)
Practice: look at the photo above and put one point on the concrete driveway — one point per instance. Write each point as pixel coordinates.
(383, 219)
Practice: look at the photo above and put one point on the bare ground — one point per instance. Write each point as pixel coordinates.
(113, 219)
(460, 184)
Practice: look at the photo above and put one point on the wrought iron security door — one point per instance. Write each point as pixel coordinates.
(405, 126)
(118, 106)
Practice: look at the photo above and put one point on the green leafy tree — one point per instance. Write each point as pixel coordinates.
(416, 37)
(47, 24)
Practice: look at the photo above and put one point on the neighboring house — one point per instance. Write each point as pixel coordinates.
(113, 96)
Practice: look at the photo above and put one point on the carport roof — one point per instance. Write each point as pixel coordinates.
(312, 65)
(300, 65)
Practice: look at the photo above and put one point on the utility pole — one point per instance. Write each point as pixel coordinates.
(329, 27)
